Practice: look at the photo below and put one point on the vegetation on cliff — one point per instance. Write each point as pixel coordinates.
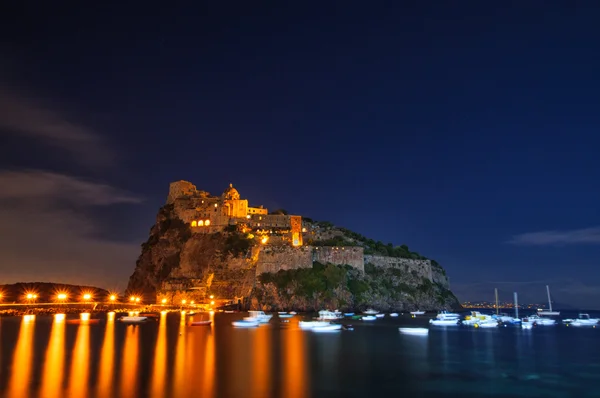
(343, 287)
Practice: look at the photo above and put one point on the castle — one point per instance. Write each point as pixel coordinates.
(209, 214)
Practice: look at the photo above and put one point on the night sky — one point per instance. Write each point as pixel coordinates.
(469, 133)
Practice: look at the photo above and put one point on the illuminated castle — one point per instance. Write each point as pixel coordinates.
(208, 214)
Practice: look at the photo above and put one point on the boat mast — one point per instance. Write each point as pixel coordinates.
(549, 301)
(516, 307)
(496, 291)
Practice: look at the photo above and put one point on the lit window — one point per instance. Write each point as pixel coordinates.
(194, 223)
(207, 223)
(200, 223)
(248, 216)
(215, 205)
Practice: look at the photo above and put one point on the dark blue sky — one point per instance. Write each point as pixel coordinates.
(469, 133)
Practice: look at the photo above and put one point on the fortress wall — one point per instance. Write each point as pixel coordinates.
(422, 267)
(273, 259)
(350, 255)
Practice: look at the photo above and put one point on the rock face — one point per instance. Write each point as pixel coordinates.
(232, 265)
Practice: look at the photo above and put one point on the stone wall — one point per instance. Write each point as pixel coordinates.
(353, 256)
(421, 267)
(275, 258)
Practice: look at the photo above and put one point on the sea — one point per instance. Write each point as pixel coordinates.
(46, 357)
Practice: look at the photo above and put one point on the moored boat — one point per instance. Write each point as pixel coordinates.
(200, 323)
(414, 331)
(417, 312)
(542, 321)
(259, 316)
(312, 324)
(368, 318)
(379, 315)
(582, 320)
(332, 327)
(325, 315)
(394, 314)
(445, 318)
(133, 319)
(370, 311)
(245, 323)
(526, 323)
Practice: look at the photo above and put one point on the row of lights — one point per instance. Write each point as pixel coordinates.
(184, 301)
(86, 297)
(200, 223)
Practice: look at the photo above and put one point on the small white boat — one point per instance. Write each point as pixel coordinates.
(293, 312)
(133, 319)
(445, 318)
(414, 331)
(282, 313)
(379, 315)
(526, 323)
(245, 323)
(582, 320)
(259, 316)
(368, 318)
(348, 313)
(312, 324)
(542, 321)
(417, 312)
(285, 315)
(325, 315)
(370, 312)
(332, 327)
(488, 323)
(394, 314)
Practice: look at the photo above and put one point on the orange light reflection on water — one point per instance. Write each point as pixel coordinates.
(296, 380)
(107, 358)
(160, 358)
(209, 364)
(261, 363)
(18, 385)
(179, 376)
(79, 373)
(129, 365)
(52, 374)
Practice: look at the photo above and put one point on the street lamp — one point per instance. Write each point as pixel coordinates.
(164, 301)
(112, 298)
(61, 296)
(87, 297)
(183, 301)
(137, 299)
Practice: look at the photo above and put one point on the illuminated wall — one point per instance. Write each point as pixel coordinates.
(296, 230)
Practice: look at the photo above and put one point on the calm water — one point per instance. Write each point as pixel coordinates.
(166, 358)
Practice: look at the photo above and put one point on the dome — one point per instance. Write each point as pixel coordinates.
(231, 193)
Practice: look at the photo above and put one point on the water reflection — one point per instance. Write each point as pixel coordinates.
(295, 363)
(129, 364)
(18, 385)
(54, 362)
(80, 363)
(160, 358)
(179, 381)
(208, 382)
(261, 363)
(107, 358)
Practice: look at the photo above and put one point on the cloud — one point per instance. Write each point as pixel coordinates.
(586, 235)
(44, 240)
(26, 116)
(54, 187)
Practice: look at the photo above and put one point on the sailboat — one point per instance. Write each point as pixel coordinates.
(549, 312)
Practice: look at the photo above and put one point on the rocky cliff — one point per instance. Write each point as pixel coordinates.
(345, 271)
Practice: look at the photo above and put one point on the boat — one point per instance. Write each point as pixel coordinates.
(394, 314)
(200, 323)
(475, 317)
(549, 311)
(283, 316)
(83, 321)
(245, 323)
(370, 311)
(417, 312)
(282, 313)
(325, 315)
(312, 324)
(133, 319)
(348, 313)
(445, 318)
(293, 312)
(229, 311)
(379, 315)
(332, 327)
(368, 318)
(487, 323)
(582, 320)
(259, 316)
(542, 321)
(414, 331)
(526, 323)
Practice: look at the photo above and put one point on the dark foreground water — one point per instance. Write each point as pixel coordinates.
(41, 357)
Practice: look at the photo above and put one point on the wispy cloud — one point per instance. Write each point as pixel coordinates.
(575, 236)
(54, 187)
(47, 234)
(29, 117)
